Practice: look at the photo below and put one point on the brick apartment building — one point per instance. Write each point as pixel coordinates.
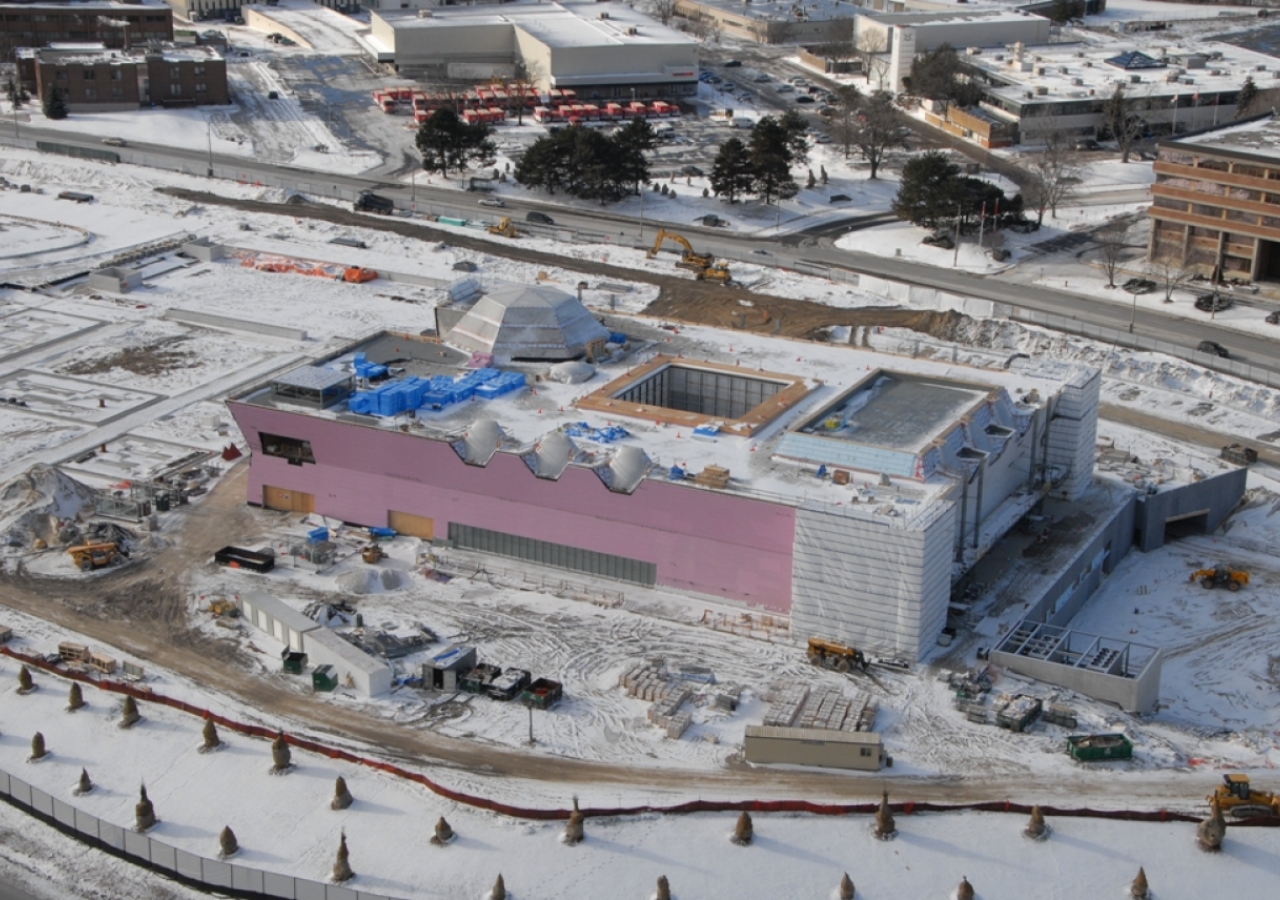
(96, 79)
(42, 24)
(1216, 206)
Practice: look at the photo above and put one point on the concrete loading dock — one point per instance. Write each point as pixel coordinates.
(815, 747)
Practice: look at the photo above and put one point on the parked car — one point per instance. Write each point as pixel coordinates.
(273, 95)
(691, 171)
(733, 64)
(539, 218)
(114, 142)
(805, 98)
(822, 138)
(840, 198)
(374, 203)
(827, 111)
(785, 89)
(1213, 347)
(761, 252)
(492, 201)
(1088, 144)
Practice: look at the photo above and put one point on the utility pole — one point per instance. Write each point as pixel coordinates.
(1133, 321)
(642, 187)
(208, 130)
(529, 706)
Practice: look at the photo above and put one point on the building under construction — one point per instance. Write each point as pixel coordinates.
(840, 487)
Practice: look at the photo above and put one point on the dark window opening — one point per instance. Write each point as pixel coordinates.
(295, 451)
(559, 556)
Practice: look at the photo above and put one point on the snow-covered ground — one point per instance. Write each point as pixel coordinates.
(284, 824)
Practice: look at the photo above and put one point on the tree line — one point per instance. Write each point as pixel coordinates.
(588, 164)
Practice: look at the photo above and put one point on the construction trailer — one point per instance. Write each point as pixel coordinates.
(276, 618)
(815, 747)
(444, 671)
(356, 669)
(6, 633)
(239, 558)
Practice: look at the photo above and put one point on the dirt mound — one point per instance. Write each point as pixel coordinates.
(32, 504)
(703, 304)
(157, 358)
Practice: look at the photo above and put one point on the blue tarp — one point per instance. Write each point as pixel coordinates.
(606, 435)
(436, 393)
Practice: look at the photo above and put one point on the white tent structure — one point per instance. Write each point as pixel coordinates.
(528, 322)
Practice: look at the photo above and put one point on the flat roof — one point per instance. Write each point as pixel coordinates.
(896, 410)
(1218, 67)
(825, 372)
(1253, 140)
(830, 736)
(933, 17)
(346, 651)
(554, 24)
(280, 611)
(316, 378)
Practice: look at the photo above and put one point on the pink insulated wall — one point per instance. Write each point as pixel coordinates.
(699, 540)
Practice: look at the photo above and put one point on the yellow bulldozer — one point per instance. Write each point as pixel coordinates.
(1220, 575)
(831, 655)
(94, 556)
(504, 228)
(220, 607)
(1236, 798)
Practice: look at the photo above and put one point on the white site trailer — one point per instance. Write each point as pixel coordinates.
(276, 618)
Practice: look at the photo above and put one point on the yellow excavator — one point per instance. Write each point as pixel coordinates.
(704, 266)
(1236, 798)
(504, 228)
(1220, 575)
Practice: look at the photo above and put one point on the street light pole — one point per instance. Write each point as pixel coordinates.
(1134, 319)
(642, 187)
(208, 130)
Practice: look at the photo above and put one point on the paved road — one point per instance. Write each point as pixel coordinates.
(788, 250)
(9, 892)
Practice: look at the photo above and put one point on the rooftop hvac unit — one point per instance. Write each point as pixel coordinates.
(1030, 95)
(1079, 54)
(1135, 79)
(999, 57)
(1260, 67)
(1064, 70)
(632, 30)
(1215, 72)
(604, 15)
(1188, 81)
(1088, 64)
(1216, 54)
(425, 14)
(972, 51)
(1037, 59)
(1041, 91)
(1077, 81)
(1039, 70)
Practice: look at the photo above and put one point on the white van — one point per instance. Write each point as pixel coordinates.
(663, 128)
(743, 122)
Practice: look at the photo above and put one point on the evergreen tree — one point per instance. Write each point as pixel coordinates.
(447, 143)
(797, 130)
(935, 75)
(16, 95)
(1247, 98)
(55, 104)
(847, 890)
(632, 142)
(926, 193)
(771, 151)
(731, 172)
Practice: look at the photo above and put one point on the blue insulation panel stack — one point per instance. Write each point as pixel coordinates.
(436, 393)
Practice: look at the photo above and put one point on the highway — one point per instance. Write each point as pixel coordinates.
(789, 249)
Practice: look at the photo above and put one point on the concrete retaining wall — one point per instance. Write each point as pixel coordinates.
(1216, 497)
(1138, 694)
(191, 317)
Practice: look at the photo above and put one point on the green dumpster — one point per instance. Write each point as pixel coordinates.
(324, 678)
(294, 662)
(1095, 747)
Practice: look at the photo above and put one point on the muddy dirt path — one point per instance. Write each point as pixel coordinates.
(142, 609)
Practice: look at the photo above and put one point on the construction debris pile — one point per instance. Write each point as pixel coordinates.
(827, 708)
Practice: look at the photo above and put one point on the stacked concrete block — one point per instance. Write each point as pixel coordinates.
(645, 681)
(667, 704)
(786, 706)
(727, 697)
(678, 724)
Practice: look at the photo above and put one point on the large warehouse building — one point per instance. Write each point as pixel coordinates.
(600, 50)
(840, 487)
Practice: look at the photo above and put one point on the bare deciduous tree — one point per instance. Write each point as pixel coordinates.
(1054, 172)
(869, 48)
(1110, 239)
(1123, 121)
(529, 75)
(1170, 272)
(662, 10)
(844, 124)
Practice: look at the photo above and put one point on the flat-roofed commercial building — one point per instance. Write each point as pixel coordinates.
(1215, 206)
(111, 24)
(600, 50)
